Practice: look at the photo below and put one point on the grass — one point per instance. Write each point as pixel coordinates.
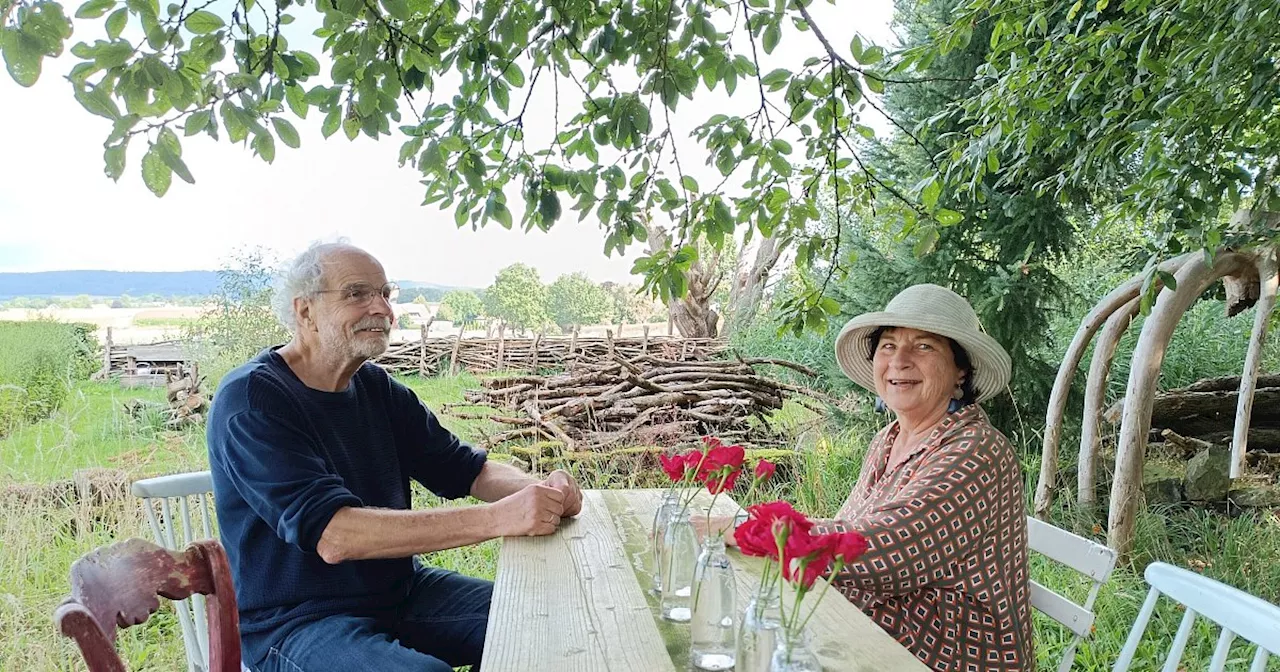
(40, 536)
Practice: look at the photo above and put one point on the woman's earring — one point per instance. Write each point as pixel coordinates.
(954, 406)
(880, 405)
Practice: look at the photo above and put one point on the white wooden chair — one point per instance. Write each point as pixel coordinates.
(179, 494)
(1091, 559)
(1238, 612)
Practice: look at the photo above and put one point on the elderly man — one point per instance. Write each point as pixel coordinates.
(312, 449)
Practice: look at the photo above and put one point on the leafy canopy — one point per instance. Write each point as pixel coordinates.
(518, 297)
(467, 74)
(574, 300)
(1160, 110)
(461, 307)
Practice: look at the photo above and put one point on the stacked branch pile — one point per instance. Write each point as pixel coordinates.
(644, 400)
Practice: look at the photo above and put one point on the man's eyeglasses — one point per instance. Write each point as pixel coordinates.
(362, 294)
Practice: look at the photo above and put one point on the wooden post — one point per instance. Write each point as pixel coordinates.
(573, 344)
(608, 339)
(671, 323)
(1067, 371)
(1104, 353)
(106, 355)
(502, 328)
(422, 353)
(644, 342)
(457, 347)
(1267, 269)
(537, 340)
(1126, 491)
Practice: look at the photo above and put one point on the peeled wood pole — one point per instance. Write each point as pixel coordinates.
(1104, 353)
(457, 346)
(1062, 384)
(502, 328)
(422, 352)
(536, 340)
(644, 342)
(1193, 278)
(573, 344)
(1267, 269)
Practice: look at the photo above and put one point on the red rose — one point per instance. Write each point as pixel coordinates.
(807, 556)
(765, 470)
(711, 442)
(782, 511)
(722, 479)
(755, 538)
(673, 465)
(849, 546)
(692, 460)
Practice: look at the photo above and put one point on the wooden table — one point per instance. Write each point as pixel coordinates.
(580, 599)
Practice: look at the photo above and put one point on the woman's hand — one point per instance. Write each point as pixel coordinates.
(718, 524)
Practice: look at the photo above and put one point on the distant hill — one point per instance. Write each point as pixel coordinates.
(142, 283)
(107, 283)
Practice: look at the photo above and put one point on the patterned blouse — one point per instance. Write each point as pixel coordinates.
(946, 573)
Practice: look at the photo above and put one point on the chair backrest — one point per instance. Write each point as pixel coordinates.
(1238, 612)
(178, 509)
(1091, 559)
(116, 586)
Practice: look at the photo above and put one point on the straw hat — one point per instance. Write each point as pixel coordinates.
(928, 308)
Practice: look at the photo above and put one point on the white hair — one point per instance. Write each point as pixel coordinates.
(303, 278)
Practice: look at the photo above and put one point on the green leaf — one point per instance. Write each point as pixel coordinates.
(929, 196)
(264, 145)
(99, 102)
(331, 122)
(690, 184)
(95, 9)
(398, 9)
(776, 78)
(294, 95)
(113, 54)
(1168, 279)
(288, 134)
(772, 35)
(197, 122)
(155, 172)
(204, 22)
(514, 75)
(927, 242)
(116, 23)
(22, 55)
(947, 217)
(114, 159)
(871, 56)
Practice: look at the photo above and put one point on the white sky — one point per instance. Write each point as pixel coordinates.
(58, 211)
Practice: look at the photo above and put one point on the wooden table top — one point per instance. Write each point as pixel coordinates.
(580, 599)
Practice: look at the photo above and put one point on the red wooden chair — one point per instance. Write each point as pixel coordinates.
(116, 586)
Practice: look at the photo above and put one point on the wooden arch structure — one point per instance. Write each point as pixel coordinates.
(1251, 278)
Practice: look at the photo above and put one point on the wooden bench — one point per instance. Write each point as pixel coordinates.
(580, 599)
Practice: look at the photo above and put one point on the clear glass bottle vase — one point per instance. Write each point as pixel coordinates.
(667, 508)
(758, 633)
(680, 554)
(713, 629)
(793, 653)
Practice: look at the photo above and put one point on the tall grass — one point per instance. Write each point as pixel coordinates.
(39, 360)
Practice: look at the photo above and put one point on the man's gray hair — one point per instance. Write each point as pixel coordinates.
(303, 278)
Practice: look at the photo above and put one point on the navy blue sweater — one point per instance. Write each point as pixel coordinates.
(286, 457)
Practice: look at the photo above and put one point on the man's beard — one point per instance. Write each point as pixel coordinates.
(357, 345)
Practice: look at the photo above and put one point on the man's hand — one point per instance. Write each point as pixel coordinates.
(532, 511)
(562, 481)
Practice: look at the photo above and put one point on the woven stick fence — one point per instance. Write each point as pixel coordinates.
(453, 355)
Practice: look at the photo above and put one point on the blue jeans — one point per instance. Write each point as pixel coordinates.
(440, 626)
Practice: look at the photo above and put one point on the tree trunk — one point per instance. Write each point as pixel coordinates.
(747, 292)
(692, 314)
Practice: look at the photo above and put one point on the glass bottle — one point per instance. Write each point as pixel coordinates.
(680, 553)
(758, 633)
(712, 636)
(657, 535)
(793, 653)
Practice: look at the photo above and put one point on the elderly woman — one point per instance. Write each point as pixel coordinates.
(940, 497)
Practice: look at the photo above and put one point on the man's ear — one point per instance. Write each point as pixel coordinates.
(302, 312)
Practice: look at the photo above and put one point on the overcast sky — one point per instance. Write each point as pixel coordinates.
(58, 211)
